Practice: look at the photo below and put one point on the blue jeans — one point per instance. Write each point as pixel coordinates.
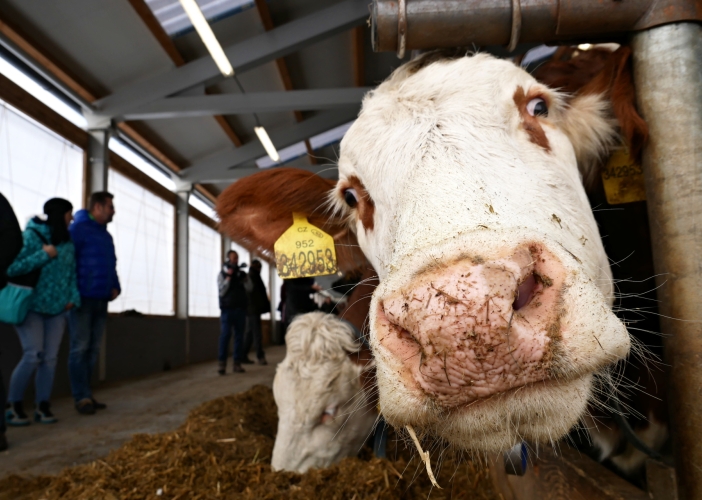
(254, 336)
(40, 336)
(232, 319)
(87, 325)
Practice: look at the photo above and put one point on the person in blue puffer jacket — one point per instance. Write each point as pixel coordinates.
(46, 246)
(98, 284)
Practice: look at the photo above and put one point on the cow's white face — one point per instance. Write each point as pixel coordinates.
(493, 312)
(321, 405)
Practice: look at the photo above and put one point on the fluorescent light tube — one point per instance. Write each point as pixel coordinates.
(267, 143)
(208, 38)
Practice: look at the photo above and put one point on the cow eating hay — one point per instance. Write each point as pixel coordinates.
(323, 412)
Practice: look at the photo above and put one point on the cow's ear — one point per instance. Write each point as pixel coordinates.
(256, 210)
(616, 83)
(602, 108)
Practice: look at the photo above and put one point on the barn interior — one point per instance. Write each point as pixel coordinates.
(125, 96)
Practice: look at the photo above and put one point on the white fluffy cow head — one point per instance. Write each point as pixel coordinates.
(460, 180)
(323, 413)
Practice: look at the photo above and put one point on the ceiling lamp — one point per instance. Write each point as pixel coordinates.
(208, 38)
(267, 143)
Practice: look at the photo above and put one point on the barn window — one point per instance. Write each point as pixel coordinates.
(36, 164)
(205, 261)
(143, 231)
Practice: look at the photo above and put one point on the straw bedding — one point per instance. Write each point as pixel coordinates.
(223, 451)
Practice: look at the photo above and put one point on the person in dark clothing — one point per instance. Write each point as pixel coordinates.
(11, 237)
(233, 286)
(96, 265)
(297, 297)
(258, 303)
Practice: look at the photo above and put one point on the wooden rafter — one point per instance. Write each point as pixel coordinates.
(144, 12)
(282, 66)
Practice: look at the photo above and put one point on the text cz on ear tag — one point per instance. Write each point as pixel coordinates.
(623, 179)
(304, 251)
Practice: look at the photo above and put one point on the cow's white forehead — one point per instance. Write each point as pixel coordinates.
(442, 151)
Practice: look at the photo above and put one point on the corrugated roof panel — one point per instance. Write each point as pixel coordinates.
(175, 21)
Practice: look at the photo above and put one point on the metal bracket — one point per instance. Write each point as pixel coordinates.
(401, 28)
(516, 25)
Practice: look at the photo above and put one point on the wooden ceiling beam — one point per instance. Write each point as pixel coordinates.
(152, 24)
(265, 14)
(20, 40)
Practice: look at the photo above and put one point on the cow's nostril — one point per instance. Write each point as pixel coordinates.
(405, 335)
(525, 292)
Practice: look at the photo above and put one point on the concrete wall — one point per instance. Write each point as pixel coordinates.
(136, 346)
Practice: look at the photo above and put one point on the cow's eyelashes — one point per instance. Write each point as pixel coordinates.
(350, 197)
(537, 107)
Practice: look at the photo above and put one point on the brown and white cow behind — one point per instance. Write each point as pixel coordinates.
(460, 181)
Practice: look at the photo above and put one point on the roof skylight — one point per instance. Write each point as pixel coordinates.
(175, 22)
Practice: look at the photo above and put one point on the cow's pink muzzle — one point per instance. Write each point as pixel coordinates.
(476, 328)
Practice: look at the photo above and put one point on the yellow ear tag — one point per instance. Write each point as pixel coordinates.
(304, 251)
(623, 179)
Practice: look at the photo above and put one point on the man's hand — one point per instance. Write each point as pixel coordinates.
(114, 294)
(50, 249)
(69, 306)
(316, 288)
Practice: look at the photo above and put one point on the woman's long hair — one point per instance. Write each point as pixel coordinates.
(55, 210)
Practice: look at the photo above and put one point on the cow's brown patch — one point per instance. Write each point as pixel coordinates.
(531, 124)
(366, 206)
(257, 209)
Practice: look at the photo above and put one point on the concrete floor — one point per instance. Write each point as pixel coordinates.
(157, 403)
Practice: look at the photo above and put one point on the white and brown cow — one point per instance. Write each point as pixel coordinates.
(461, 181)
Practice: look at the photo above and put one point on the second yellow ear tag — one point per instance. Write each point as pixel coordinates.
(304, 250)
(623, 179)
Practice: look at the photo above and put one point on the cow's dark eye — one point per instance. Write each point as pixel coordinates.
(537, 107)
(351, 197)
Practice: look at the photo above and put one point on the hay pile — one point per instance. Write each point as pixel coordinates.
(223, 452)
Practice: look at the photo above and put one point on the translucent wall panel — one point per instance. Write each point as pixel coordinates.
(36, 164)
(143, 231)
(204, 265)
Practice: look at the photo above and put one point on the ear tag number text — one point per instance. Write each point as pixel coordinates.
(304, 250)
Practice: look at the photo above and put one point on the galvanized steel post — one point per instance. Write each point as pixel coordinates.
(182, 251)
(668, 76)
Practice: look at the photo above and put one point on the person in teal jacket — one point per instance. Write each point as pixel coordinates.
(54, 295)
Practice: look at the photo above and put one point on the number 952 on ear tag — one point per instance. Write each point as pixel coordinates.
(304, 251)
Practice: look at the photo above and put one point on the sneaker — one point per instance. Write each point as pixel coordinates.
(15, 415)
(262, 361)
(85, 407)
(238, 368)
(98, 406)
(43, 415)
(222, 368)
(3, 442)
(246, 361)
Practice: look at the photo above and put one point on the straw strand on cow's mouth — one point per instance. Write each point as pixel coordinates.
(424, 455)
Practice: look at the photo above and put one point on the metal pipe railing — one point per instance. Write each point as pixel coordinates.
(668, 76)
(399, 25)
